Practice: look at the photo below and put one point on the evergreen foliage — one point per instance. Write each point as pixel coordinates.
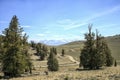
(38, 48)
(52, 61)
(42, 51)
(115, 64)
(15, 58)
(108, 56)
(1, 47)
(33, 44)
(95, 53)
(54, 50)
(63, 52)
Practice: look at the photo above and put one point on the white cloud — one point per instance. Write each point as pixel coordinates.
(23, 33)
(68, 24)
(67, 37)
(41, 35)
(75, 25)
(26, 26)
(35, 39)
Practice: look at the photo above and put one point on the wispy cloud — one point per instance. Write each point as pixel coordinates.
(26, 26)
(23, 33)
(68, 24)
(103, 13)
(41, 35)
(70, 37)
(75, 25)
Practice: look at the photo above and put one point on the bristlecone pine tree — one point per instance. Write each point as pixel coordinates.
(52, 62)
(1, 47)
(54, 50)
(15, 59)
(42, 51)
(63, 52)
(33, 44)
(38, 48)
(108, 56)
(115, 64)
(95, 53)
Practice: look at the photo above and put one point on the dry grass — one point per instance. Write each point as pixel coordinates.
(75, 47)
(68, 69)
(110, 73)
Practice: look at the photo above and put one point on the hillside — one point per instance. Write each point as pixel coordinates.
(67, 70)
(68, 64)
(73, 48)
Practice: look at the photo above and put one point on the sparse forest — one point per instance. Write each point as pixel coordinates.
(22, 59)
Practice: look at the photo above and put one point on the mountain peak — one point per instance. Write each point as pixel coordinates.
(54, 42)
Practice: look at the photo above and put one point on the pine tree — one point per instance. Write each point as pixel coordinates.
(115, 64)
(15, 59)
(108, 56)
(38, 48)
(1, 47)
(52, 62)
(87, 54)
(28, 63)
(42, 55)
(45, 50)
(95, 52)
(54, 50)
(99, 55)
(33, 44)
(42, 51)
(63, 52)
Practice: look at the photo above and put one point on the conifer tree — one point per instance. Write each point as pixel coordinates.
(33, 44)
(52, 62)
(108, 56)
(115, 64)
(25, 46)
(99, 55)
(95, 52)
(42, 51)
(38, 48)
(54, 50)
(63, 52)
(87, 53)
(1, 47)
(15, 59)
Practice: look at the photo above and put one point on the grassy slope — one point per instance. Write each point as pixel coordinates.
(74, 48)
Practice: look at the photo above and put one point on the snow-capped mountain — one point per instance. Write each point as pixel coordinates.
(54, 42)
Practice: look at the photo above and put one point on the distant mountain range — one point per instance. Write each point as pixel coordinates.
(54, 42)
(61, 42)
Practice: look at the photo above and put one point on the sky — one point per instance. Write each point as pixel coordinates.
(66, 20)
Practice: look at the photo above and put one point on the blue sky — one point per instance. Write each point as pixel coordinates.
(62, 19)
